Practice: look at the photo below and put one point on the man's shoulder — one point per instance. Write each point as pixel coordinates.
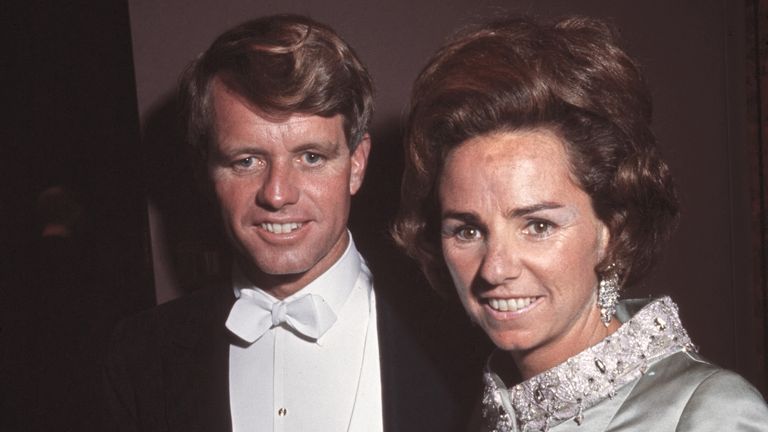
(176, 309)
(154, 326)
(438, 322)
(428, 349)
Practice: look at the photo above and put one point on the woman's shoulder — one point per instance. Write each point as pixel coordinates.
(724, 400)
(687, 370)
(696, 395)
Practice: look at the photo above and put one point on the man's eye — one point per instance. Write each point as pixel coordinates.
(312, 158)
(248, 163)
(245, 162)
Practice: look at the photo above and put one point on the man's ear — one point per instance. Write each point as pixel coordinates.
(201, 172)
(359, 160)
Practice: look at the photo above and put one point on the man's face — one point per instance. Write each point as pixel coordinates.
(284, 188)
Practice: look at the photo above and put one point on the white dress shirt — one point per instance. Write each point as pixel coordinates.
(286, 382)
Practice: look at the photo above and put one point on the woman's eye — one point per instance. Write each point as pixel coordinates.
(467, 233)
(539, 228)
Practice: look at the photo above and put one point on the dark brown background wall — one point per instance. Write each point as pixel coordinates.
(69, 118)
(89, 103)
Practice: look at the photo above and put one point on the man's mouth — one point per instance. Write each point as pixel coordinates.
(510, 304)
(278, 228)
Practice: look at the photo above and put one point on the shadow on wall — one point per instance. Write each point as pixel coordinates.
(185, 236)
(375, 205)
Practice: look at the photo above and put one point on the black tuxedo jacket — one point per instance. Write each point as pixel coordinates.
(167, 370)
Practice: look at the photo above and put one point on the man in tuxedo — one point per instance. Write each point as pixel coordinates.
(298, 339)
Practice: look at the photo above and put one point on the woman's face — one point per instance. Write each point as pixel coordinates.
(521, 241)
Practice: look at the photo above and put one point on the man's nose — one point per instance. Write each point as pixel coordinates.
(502, 261)
(279, 188)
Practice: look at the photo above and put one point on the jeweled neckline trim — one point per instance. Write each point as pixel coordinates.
(565, 391)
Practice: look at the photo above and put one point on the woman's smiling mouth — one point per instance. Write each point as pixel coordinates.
(510, 304)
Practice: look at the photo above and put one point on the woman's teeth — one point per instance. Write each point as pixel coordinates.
(276, 228)
(510, 305)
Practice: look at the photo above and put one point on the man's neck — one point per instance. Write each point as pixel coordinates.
(283, 286)
(278, 286)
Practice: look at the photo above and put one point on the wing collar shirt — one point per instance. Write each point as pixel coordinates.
(285, 380)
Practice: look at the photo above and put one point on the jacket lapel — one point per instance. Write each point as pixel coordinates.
(196, 361)
(415, 396)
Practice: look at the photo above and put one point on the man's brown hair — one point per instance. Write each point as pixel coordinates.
(282, 64)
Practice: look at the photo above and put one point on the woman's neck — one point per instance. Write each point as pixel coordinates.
(535, 361)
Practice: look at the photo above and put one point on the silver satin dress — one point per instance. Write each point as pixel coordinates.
(646, 376)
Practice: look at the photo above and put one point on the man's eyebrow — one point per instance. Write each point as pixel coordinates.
(230, 153)
(318, 145)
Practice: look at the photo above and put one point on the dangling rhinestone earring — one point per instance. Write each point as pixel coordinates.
(608, 294)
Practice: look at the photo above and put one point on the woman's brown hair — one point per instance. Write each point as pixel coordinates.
(569, 77)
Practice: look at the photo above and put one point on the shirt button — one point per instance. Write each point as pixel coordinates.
(282, 412)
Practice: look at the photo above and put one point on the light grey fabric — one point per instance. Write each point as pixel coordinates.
(678, 391)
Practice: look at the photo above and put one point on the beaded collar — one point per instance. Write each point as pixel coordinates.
(565, 391)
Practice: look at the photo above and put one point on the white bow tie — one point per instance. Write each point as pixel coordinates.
(253, 314)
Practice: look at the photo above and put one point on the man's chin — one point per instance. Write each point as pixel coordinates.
(269, 271)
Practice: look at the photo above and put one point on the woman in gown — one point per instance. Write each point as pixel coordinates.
(534, 185)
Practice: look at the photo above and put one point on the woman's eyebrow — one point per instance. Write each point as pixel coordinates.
(526, 210)
(513, 213)
(467, 217)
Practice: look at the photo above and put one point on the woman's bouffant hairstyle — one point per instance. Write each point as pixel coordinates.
(283, 64)
(570, 78)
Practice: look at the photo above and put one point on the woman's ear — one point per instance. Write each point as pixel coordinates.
(603, 241)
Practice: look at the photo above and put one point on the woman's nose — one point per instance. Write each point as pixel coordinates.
(501, 261)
